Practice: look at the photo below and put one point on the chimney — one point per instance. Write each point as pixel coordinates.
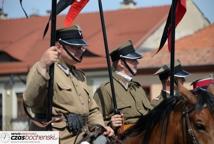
(35, 13)
(2, 14)
(128, 4)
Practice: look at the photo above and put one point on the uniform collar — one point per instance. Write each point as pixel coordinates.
(125, 76)
(65, 68)
(122, 79)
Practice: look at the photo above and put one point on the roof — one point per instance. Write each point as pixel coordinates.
(23, 41)
(196, 50)
(193, 50)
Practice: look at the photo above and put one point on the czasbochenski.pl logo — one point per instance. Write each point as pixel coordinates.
(24, 137)
(4, 137)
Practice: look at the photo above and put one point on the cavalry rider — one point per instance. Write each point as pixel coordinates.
(164, 76)
(131, 98)
(73, 105)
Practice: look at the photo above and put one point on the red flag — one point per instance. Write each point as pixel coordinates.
(180, 12)
(74, 10)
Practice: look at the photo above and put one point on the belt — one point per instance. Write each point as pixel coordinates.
(41, 120)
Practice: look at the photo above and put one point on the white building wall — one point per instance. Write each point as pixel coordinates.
(9, 100)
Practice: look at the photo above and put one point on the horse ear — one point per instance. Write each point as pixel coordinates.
(210, 89)
(187, 94)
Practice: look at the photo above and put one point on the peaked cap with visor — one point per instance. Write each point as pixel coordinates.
(71, 36)
(125, 51)
(164, 71)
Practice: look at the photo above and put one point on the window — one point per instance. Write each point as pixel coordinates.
(20, 110)
(20, 122)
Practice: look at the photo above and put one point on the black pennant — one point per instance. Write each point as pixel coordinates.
(23, 8)
(61, 5)
(166, 31)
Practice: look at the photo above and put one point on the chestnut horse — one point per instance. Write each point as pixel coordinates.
(187, 119)
(177, 120)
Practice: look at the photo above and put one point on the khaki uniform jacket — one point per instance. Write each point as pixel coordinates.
(131, 99)
(71, 95)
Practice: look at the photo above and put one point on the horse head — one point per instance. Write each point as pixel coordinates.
(185, 119)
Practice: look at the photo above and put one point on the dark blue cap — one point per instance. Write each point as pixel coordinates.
(71, 36)
(164, 71)
(126, 51)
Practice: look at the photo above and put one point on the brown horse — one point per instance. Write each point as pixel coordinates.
(177, 120)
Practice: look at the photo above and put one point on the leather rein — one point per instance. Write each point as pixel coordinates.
(189, 128)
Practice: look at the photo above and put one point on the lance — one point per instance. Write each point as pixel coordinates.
(172, 56)
(51, 70)
(176, 13)
(107, 57)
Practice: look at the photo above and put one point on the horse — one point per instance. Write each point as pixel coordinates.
(185, 119)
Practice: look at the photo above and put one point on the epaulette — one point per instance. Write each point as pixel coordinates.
(136, 83)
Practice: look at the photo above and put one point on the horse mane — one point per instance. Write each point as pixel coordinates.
(146, 123)
(160, 114)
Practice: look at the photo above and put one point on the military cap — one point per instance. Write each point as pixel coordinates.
(202, 83)
(71, 36)
(164, 71)
(126, 51)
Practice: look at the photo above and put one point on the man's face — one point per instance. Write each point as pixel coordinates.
(180, 79)
(132, 63)
(73, 53)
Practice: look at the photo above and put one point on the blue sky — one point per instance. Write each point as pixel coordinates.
(13, 9)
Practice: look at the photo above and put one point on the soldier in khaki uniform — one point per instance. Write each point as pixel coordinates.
(164, 76)
(73, 106)
(131, 99)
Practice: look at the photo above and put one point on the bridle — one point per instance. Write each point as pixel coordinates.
(188, 126)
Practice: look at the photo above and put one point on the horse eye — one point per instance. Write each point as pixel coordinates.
(200, 127)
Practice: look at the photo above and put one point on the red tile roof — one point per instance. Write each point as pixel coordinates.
(22, 38)
(13, 68)
(193, 50)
